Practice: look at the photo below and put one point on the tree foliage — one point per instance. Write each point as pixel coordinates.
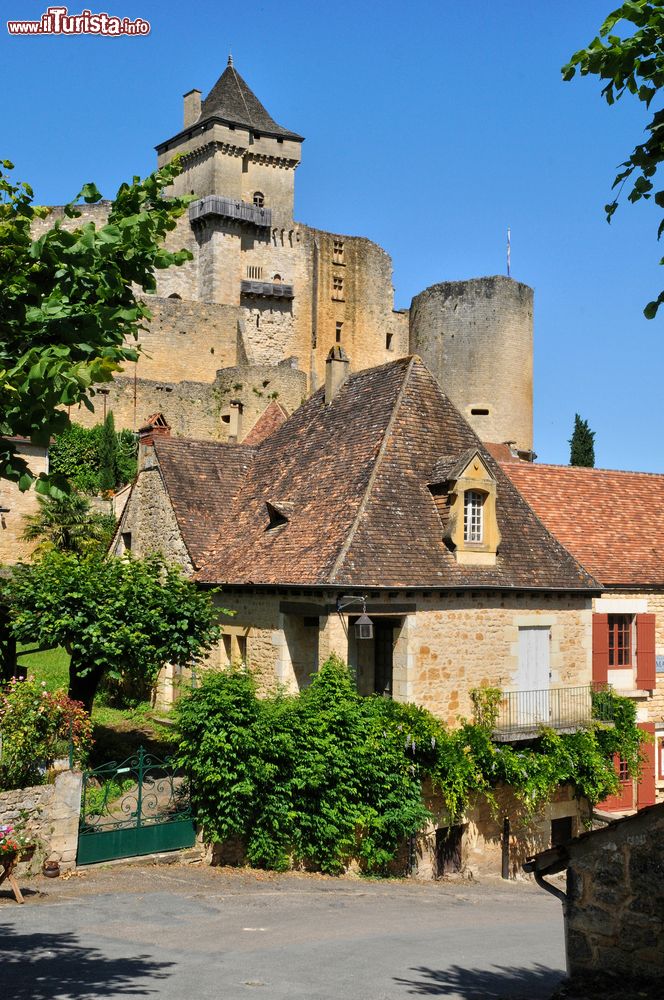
(68, 304)
(119, 618)
(77, 454)
(631, 62)
(582, 444)
(67, 523)
(328, 775)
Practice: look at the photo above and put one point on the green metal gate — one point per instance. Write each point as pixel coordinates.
(140, 806)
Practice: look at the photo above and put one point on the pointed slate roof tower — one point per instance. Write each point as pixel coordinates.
(233, 148)
(234, 101)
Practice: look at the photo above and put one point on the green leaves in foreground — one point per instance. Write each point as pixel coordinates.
(327, 775)
(69, 313)
(634, 64)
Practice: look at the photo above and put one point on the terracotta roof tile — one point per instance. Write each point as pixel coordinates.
(201, 479)
(355, 474)
(273, 416)
(612, 521)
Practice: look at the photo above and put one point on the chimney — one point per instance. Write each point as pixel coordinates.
(192, 107)
(337, 367)
(155, 426)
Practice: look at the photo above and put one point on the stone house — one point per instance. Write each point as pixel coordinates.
(377, 498)
(15, 505)
(614, 903)
(613, 523)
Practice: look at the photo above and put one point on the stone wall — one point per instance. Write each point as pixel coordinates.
(12, 524)
(482, 831)
(48, 815)
(477, 339)
(615, 899)
(449, 645)
(148, 523)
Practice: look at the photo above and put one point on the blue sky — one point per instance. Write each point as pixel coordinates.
(429, 128)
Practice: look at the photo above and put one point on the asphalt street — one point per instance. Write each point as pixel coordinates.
(214, 934)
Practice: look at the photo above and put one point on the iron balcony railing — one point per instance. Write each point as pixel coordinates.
(267, 289)
(522, 713)
(229, 208)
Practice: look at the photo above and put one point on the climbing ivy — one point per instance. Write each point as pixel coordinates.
(327, 775)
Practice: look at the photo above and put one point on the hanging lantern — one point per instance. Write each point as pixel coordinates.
(364, 628)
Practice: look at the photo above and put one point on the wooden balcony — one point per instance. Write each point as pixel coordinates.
(267, 289)
(228, 208)
(523, 714)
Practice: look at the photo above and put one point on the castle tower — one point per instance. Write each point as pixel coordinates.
(233, 148)
(476, 337)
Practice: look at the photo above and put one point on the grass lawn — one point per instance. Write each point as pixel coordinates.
(51, 665)
(117, 732)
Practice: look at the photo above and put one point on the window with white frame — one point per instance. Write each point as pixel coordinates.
(472, 516)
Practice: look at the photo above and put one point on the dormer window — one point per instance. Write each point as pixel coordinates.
(473, 516)
(464, 490)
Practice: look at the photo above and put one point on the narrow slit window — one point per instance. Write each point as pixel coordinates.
(337, 335)
(472, 516)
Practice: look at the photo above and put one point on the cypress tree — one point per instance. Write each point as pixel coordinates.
(108, 455)
(582, 444)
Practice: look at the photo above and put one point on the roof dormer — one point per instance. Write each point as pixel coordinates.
(464, 492)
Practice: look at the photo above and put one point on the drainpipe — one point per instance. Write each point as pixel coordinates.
(505, 872)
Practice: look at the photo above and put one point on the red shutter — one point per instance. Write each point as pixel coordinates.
(600, 648)
(646, 677)
(645, 792)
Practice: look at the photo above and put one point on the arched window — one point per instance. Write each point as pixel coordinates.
(276, 279)
(259, 199)
(472, 516)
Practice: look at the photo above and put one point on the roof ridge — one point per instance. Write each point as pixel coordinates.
(578, 468)
(374, 472)
(236, 77)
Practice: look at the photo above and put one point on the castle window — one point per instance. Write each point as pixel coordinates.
(472, 516)
(259, 199)
(338, 252)
(388, 342)
(338, 288)
(254, 272)
(276, 279)
(338, 333)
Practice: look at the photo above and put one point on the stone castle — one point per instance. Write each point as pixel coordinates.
(252, 317)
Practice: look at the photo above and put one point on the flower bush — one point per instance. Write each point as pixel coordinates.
(36, 727)
(11, 840)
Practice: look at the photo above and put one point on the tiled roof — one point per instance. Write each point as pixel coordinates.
(501, 451)
(613, 522)
(232, 99)
(201, 479)
(355, 475)
(273, 416)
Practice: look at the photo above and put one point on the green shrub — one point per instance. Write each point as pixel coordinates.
(95, 459)
(327, 775)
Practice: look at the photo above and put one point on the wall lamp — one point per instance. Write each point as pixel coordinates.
(363, 625)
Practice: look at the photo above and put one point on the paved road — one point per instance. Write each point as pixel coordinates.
(210, 934)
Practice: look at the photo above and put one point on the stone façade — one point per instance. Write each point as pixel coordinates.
(262, 289)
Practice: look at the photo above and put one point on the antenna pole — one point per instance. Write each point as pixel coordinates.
(509, 252)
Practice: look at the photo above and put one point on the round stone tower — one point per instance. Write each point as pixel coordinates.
(476, 337)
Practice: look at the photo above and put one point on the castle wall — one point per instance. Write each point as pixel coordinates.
(12, 524)
(476, 338)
